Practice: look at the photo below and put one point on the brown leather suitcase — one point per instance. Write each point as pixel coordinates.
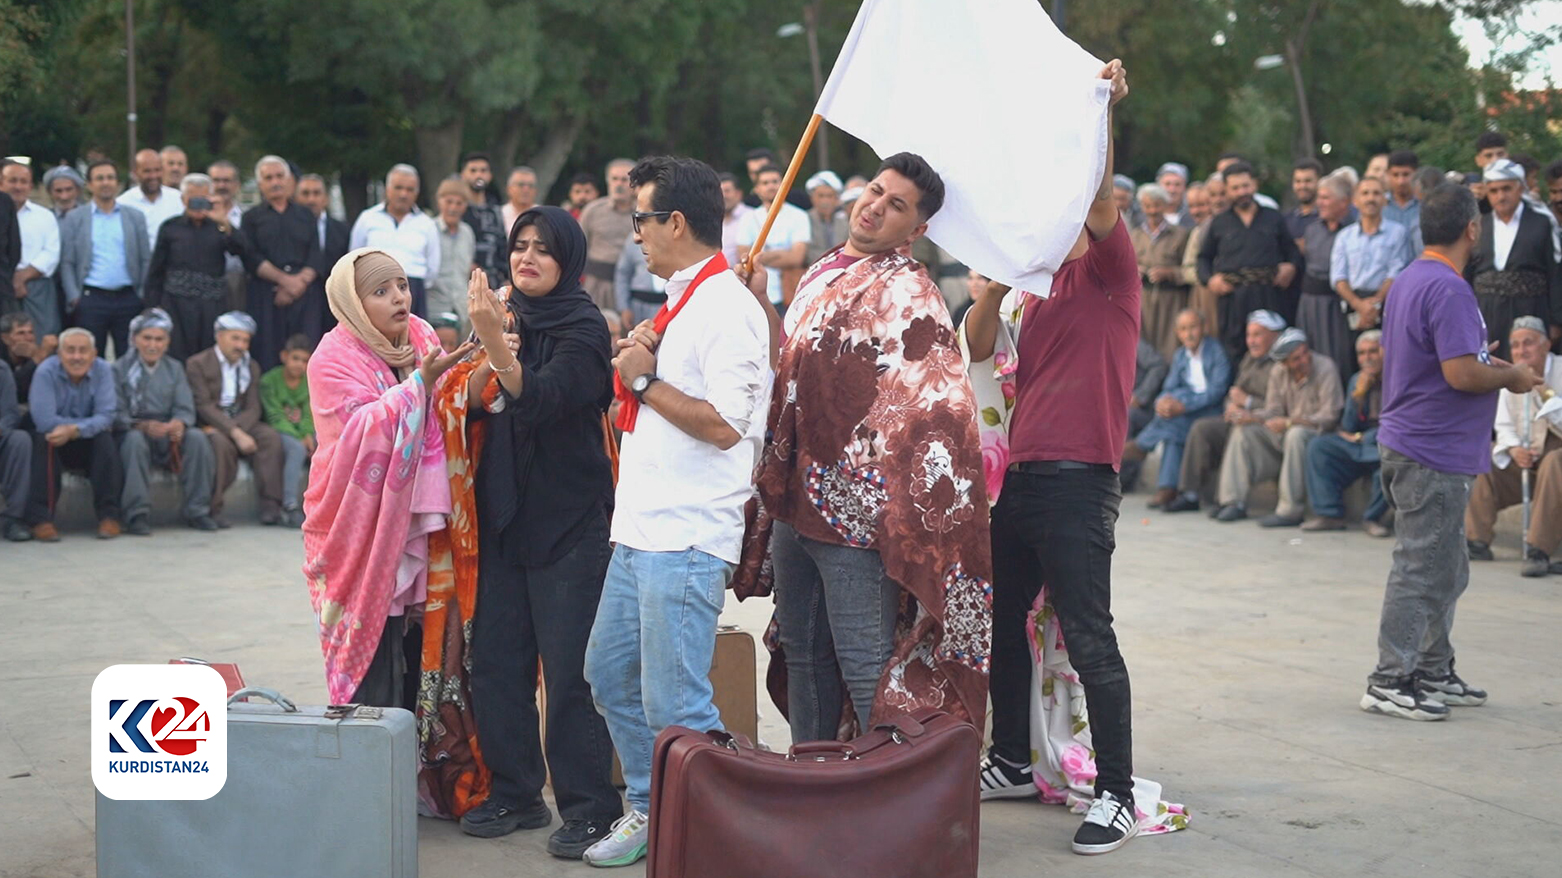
(901, 800)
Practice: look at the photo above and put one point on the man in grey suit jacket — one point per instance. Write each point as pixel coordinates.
(103, 260)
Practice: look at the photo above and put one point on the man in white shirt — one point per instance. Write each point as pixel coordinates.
(1525, 441)
(786, 247)
(158, 203)
(396, 226)
(693, 397)
(33, 283)
(732, 221)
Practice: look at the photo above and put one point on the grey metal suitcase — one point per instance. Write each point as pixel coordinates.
(312, 792)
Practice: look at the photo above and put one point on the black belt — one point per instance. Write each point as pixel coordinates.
(1316, 286)
(599, 269)
(648, 297)
(1053, 467)
(113, 292)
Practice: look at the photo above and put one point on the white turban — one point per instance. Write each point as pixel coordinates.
(1177, 168)
(824, 178)
(1498, 170)
(1267, 319)
(235, 320)
(1287, 343)
(151, 318)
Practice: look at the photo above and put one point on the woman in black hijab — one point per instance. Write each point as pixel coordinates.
(544, 489)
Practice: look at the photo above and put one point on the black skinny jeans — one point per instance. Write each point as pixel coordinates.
(523, 613)
(1058, 529)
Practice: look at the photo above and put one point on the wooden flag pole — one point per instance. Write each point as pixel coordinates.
(786, 186)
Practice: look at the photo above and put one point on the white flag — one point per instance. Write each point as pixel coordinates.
(1008, 111)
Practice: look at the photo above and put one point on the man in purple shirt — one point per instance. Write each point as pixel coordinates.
(1439, 398)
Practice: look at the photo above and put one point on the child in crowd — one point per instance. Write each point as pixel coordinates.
(447, 326)
(284, 397)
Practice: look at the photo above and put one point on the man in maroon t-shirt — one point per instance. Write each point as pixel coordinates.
(1055, 521)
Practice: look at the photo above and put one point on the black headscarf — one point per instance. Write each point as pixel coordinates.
(566, 312)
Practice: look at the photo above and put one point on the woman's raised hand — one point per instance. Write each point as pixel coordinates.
(486, 312)
(436, 362)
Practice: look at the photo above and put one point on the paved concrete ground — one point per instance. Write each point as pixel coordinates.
(1248, 650)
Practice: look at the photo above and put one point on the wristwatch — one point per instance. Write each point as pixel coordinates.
(641, 384)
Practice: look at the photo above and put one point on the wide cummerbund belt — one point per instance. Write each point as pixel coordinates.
(1511, 284)
(1246, 276)
(1316, 286)
(598, 269)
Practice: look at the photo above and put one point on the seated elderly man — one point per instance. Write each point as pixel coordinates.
(1335, 460)
(22, 351)
(16, 453)
(1206, 440)
(1517, 449)
(1200, 376)
(73, 408)
(1150, 370)
(225, 383)
(1302, 400)
(156, 422)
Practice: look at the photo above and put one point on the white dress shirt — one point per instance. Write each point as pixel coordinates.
(1197, 380)
(731, 224)
(791, 227)
(40, 238)
(168, 205)
(235, 379)
(1502, 235)
(414, 241)
(676, 492)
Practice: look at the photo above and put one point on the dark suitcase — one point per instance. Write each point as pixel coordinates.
(901, 800)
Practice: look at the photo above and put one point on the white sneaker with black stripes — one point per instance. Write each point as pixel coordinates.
(1404, 700)
(1109, 824)
(1000, 780)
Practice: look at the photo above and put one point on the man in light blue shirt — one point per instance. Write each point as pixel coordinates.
(1402, 206)
(103, 259)
(73, 402)
(1368, 255)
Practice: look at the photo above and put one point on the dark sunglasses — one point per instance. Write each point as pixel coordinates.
(636, 217)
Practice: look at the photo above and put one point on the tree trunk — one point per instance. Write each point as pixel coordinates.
(216, 118)
(507, 144)
(1295, 46)
(550, 157)
(811, 22)
(355, 193)
(439, 148)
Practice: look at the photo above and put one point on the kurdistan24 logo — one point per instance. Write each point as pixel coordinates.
(175, 726)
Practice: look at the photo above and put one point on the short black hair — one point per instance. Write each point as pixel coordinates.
(1445, 213)
(921, 174)
(298, 342)
(1527, 162)
(688, 186)
(1404, 158)
(582, 179)
(1229, 155)
(1554, 170)
(468, 158)
(14, 319)
(758, 153)
(1239, 166)
(1491, 140)
(98, 163)
(727, 177)
(1308, 165)
(1427, 178)
(767, 169)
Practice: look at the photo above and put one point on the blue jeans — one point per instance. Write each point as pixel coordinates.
(648, 660)
(1171, 434)
(294, 458)
(1333, 464)
(835, 608)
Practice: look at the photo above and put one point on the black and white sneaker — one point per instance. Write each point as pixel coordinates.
(1109, 824)
(1402, 699)
(1000, 780)
(1450, 690)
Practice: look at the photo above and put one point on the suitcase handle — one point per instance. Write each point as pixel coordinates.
(819, 750)
(270, 695)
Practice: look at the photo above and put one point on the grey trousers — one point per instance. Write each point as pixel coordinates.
(197, 468)
(1255, 454)
(293, 460)
(43, 306)
(16, 455)
(1431, 569)
(835, 610)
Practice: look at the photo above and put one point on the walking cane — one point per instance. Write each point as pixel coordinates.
(1529, 427)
